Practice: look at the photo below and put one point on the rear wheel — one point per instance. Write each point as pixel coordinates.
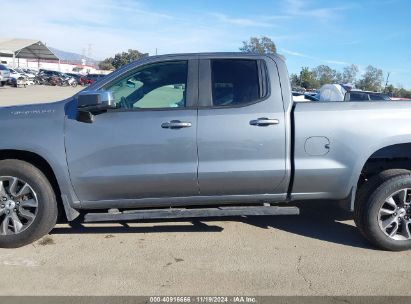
(28, 208)
(368, 188)
(386, 214)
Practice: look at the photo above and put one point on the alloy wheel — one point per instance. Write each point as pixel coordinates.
(18, 205)
(394, 215)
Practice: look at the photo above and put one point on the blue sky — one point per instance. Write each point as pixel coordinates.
(307, 33)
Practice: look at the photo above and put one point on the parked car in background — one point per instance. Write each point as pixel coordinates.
(297, 96)
(68, 80)
(312, 97)
(357, 95)
(400, 99)
(346, 92)
(18, 78)
(4, 75)
(76, 76)
(94, 77)
(24, 73)
(14, 73)
(332, 92)
(49, 73)
(20, 81)
(31, 71)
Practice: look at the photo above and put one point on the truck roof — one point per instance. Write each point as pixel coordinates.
(219, 54)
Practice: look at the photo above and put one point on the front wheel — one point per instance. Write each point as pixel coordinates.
(28, 208)
(386, 214)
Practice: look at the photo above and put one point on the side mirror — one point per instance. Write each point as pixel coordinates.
(96, 100)
(90, 103)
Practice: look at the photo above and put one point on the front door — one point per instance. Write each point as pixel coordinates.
(146, 148)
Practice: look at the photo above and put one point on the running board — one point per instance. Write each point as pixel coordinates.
(189, 213)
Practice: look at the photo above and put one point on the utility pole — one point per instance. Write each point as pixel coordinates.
(386, 82)
(90, 51)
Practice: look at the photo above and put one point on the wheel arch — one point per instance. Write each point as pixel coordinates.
(393, 156)
(43, 165)
(396, 156)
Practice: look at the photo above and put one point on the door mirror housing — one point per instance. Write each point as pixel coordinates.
(90, 103)
(96, 100)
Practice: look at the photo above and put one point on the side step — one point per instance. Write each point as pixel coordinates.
(189, 213)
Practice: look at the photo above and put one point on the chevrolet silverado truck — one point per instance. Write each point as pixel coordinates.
(197, 135)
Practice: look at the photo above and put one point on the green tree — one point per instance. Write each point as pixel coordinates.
(324, 74)
(390, 89)
(372, 79)
(307, 79)
(401, 92)
(106, 64)
(295, 80)
(262, 45)
(350, 74)
(121, 59)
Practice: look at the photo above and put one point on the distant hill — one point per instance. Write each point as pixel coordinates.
(73, 57)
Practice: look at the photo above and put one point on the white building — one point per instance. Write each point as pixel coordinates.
(34, 54)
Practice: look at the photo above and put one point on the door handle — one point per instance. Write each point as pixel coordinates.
(263, 121)
(175, 124)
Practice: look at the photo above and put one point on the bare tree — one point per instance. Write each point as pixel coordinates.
(350, 73)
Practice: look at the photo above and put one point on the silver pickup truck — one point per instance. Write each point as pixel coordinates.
(196, 135)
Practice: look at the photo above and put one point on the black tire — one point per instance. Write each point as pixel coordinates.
(2, 83)
(46, 216)
(368, 188)
(369, 214)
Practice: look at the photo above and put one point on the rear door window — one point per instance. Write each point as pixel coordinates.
(235, 82)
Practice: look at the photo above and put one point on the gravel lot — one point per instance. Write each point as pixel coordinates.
(319, 252)
(34, 94)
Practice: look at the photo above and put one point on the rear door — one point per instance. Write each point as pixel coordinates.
(241, 127)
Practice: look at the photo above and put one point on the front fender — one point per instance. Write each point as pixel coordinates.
(39, 129)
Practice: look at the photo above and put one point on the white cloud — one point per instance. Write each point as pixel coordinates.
(298, 54)
(109, 27)
(240, 21)
(301, 8)
(337, 62)
(329, 61)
